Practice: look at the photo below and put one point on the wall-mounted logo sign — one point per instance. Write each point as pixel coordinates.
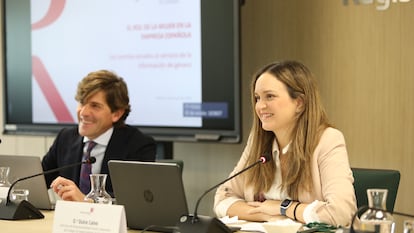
(379, 4)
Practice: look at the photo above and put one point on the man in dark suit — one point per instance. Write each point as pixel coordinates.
(103, 106)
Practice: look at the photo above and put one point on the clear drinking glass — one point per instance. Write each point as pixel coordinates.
(376, 219)
(18, 195)
(98, 193)
(4, 183)
(408, 226)
(4, 176)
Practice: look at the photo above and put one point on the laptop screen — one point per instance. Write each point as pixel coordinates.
(23, 166)
(151, 192)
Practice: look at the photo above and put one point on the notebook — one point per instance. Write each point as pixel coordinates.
(22, 166)
(151, 192)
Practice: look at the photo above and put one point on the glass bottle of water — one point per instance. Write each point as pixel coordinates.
(98, 193)
(376, 219)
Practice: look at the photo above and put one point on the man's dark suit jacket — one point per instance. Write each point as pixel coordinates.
(126, 143)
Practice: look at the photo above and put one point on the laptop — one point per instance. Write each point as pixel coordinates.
(22, 166)
(151, 192)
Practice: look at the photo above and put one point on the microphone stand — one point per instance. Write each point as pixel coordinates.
(217, 185)
(206, 224)
(24, 209)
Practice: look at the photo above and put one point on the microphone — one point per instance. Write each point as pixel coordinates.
(206, 224)
(24, 209)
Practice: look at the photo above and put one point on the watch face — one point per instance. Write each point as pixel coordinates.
(285, 203)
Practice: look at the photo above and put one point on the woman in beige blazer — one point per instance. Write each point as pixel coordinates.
(309, 178)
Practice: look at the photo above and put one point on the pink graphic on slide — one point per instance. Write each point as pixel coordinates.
(55, 10)
(40, 72)
(50, 91)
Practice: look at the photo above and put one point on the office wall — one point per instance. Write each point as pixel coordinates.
(362, 58)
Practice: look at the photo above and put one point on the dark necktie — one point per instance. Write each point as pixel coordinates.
(86, 170)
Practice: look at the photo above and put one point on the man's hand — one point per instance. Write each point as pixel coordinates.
(67, 189)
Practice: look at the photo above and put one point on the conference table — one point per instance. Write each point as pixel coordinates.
(44, 225)
(33, 225)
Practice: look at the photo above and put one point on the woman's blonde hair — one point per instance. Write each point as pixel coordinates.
(311, 122)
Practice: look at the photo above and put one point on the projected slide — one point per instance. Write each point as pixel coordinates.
(153, 44)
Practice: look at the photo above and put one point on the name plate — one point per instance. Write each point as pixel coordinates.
(83, 217)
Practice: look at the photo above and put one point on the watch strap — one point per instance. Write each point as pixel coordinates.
(284, 205)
